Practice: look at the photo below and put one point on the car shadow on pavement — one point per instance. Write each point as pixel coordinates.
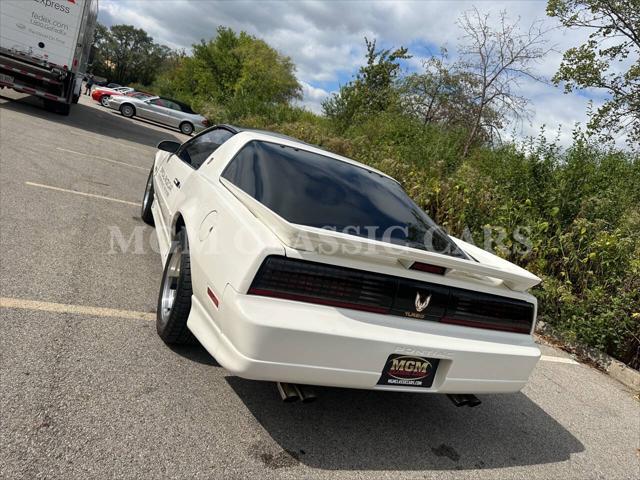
(195, 353)
(366, 430)
(94, 120)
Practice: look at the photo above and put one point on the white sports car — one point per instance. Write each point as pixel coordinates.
(295, 265)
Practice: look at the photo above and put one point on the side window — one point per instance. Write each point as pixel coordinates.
(172, 105)
(157, 101)
(197, 150)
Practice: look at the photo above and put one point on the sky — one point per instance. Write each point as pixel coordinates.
(326, 41)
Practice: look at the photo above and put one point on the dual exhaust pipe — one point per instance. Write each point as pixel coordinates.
(291, 392)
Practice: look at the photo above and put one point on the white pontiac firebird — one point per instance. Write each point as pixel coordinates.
(295, 265)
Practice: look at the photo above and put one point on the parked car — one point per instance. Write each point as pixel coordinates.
(161, 110)
(292, 264)
(102, 94)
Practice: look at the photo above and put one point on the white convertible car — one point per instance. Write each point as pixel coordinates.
(295, 265)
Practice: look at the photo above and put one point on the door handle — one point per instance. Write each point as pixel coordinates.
(176, 182)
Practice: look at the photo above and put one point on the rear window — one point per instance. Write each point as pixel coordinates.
(314, 190)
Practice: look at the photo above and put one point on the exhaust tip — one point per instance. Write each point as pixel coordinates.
(288, 392)
(306, 393)
(464, 399)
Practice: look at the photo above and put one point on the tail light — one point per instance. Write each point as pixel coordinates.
(341, 287)
(323, 284)
(205, 122)
(425, 267)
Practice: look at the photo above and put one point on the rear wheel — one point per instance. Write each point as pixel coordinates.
(127, 110)
(147, 201)
(104, 100)
(174, 301)
(186, 128)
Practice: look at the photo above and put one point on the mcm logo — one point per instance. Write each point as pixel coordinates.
(420, 303)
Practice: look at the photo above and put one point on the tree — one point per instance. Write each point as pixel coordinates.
(497, 60)
(442, 94)
(125, 54)
(372, 91)
(609, 60)
(237, 73)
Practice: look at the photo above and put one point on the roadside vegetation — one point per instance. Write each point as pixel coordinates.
(571, 215)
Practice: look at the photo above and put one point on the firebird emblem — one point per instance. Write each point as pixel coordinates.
(422, 304)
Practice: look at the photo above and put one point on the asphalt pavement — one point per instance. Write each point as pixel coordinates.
(88, 390)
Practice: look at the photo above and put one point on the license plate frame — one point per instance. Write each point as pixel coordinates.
(408, 371)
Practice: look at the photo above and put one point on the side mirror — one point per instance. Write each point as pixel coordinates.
(169, 146)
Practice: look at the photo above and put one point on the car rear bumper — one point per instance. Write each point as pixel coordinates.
(280, 340)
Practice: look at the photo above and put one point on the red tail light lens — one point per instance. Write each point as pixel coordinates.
(323, 284)
(425, 267)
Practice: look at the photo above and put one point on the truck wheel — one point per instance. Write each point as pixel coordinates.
(147, 201)
(186, 128)
(174, 301)
(127, 110)
(104, 100)
(64, 108)
(50, 105)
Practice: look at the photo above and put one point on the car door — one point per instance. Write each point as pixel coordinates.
(173, 113)
(153, 109)
(177, 168)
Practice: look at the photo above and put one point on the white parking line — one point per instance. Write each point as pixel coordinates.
(107, 137)
(23, 304)
(102, 158)
(547, 358)
(92, 195)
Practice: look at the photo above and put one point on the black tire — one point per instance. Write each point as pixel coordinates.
(50, 105)
(171, 323)
(64, 109)
(147, 201)
(127, 110)
(186, 128)
(104, 100)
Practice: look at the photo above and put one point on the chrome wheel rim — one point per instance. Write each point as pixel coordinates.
(170, 285)
(126, 110)
(147, 193)
(186, 129)
(104, 101)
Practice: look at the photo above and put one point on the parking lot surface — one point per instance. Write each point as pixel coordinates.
(88, 390)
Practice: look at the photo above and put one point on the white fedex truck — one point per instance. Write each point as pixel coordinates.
(45, 46)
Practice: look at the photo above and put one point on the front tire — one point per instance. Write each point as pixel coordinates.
(174, 301)
(186, 128)
(127, 110)
(104, 100)
(147, 201)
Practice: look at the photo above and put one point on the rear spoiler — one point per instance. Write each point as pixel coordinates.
(321, 240)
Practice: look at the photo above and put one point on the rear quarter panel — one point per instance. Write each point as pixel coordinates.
(227, 244)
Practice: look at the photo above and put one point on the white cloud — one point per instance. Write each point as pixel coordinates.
(326, 39)
(313, 97)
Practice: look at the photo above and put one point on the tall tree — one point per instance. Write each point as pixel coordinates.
(609, 60)
(372, 91)
(125, 54)
(443, 94)
(498, 59)
(238, 73)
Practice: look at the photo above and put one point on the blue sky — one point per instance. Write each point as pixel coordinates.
(326, 40)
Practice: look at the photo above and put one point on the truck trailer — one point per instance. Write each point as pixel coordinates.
(45, 46)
